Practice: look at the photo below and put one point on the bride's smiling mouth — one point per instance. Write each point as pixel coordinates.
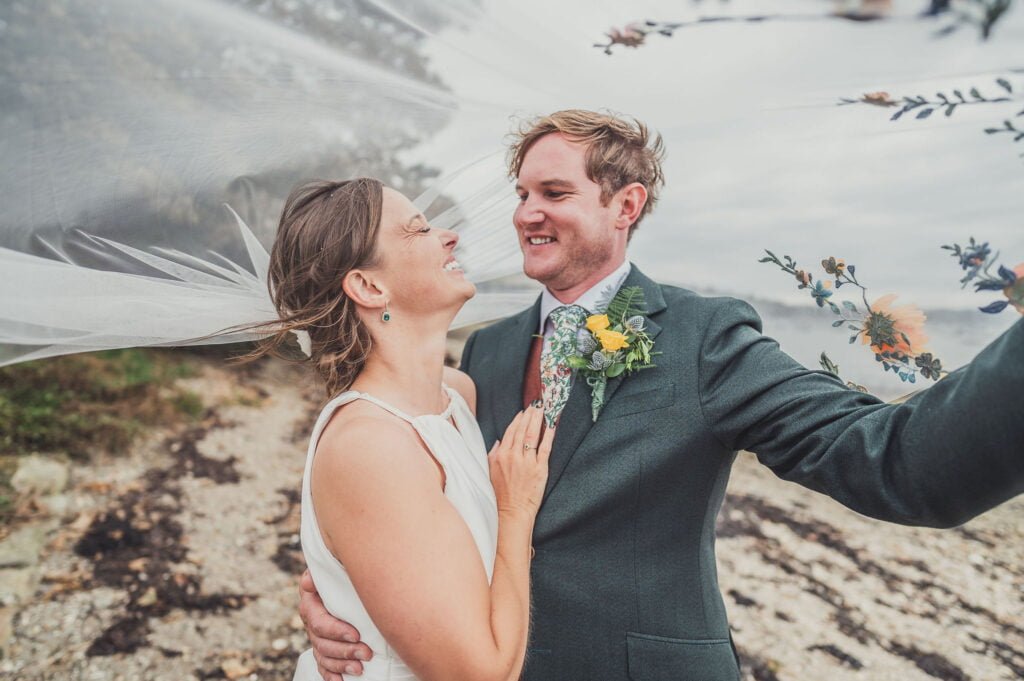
(452, 266)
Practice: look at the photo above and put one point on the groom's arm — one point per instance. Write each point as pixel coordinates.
(947, 454)
(336, 645)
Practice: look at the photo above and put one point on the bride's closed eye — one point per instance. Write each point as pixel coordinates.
(418, 225)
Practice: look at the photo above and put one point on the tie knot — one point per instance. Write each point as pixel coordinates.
(568, 317)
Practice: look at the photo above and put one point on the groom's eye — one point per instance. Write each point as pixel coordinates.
(555, 195)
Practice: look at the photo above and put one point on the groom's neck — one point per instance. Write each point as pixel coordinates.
(571, 294)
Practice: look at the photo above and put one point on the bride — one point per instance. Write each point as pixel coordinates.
(409, 528)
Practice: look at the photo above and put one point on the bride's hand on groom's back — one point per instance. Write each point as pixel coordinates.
(519, 464)
(335, 643)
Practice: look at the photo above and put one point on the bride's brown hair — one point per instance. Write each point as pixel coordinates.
(327, 228)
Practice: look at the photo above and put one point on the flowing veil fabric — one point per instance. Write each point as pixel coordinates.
(148, 147)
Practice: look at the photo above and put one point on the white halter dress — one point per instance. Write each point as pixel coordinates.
(460, 451)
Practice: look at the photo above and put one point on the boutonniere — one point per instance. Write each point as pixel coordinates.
(613, 343)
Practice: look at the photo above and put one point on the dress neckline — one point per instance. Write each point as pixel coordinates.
(445, 415)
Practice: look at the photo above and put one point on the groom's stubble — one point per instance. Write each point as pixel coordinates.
(559, 200)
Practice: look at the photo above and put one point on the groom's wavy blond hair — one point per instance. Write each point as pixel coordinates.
(619, 151)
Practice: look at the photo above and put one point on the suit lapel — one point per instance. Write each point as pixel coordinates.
(576, 419)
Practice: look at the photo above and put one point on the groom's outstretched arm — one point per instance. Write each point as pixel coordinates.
(947, 454)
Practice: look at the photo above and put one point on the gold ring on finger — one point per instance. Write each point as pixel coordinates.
(527, 446)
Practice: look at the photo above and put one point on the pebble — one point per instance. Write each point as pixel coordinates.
(279, 644)
(40, 475)
(148, 598)
(57, 504)
(235, 669)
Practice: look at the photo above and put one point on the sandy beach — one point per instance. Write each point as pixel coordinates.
(179, 560)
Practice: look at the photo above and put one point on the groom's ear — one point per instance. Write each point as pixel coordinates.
(361, 289)
(631, 200)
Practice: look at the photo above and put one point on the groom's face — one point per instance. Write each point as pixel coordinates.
(566, 233)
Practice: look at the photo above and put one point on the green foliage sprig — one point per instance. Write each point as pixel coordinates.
(613, 344)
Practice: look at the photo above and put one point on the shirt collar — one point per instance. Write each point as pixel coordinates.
(599, 293)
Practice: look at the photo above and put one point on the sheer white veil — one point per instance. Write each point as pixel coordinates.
(148, 148)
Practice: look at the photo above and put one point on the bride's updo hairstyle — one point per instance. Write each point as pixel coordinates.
(327, 229)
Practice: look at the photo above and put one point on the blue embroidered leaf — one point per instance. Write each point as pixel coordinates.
(837, 323)
(1007, 274)
(990, 285)
(849, 306)
(993, 308)
(1005, 84)
(924, 113)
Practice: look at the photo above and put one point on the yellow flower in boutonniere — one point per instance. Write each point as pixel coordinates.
(597, 322)
(612, 340)
(616, 345)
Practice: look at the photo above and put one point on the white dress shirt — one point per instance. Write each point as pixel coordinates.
(601, 292)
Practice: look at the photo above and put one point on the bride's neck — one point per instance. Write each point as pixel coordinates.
(406, 366)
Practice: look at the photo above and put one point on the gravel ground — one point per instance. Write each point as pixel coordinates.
(179, 560)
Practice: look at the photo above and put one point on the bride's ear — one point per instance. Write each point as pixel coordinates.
(363, 291)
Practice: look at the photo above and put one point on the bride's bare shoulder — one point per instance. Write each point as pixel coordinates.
(460, 381)
(359, 429)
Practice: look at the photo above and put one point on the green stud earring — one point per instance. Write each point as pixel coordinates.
(386, 317)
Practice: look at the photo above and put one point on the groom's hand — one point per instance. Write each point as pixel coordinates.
(336, 645)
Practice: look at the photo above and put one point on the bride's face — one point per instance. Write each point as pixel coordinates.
(417, 262)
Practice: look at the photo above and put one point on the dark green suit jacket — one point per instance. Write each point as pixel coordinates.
(624, 579)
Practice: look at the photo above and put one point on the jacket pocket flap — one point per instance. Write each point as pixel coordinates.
(623, 405)
(656, 658)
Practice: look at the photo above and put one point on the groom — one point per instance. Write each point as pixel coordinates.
(624, 578)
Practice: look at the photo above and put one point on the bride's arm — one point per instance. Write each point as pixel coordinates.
(413, 560)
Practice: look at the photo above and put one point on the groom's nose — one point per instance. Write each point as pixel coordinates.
(527, 213)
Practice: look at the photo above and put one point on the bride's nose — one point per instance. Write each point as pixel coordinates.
(449, 238)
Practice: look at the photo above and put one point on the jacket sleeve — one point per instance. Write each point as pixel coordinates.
(947, 454)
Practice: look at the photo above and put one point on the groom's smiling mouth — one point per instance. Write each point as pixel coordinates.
(539, 240)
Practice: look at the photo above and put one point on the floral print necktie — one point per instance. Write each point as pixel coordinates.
(555, 374)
